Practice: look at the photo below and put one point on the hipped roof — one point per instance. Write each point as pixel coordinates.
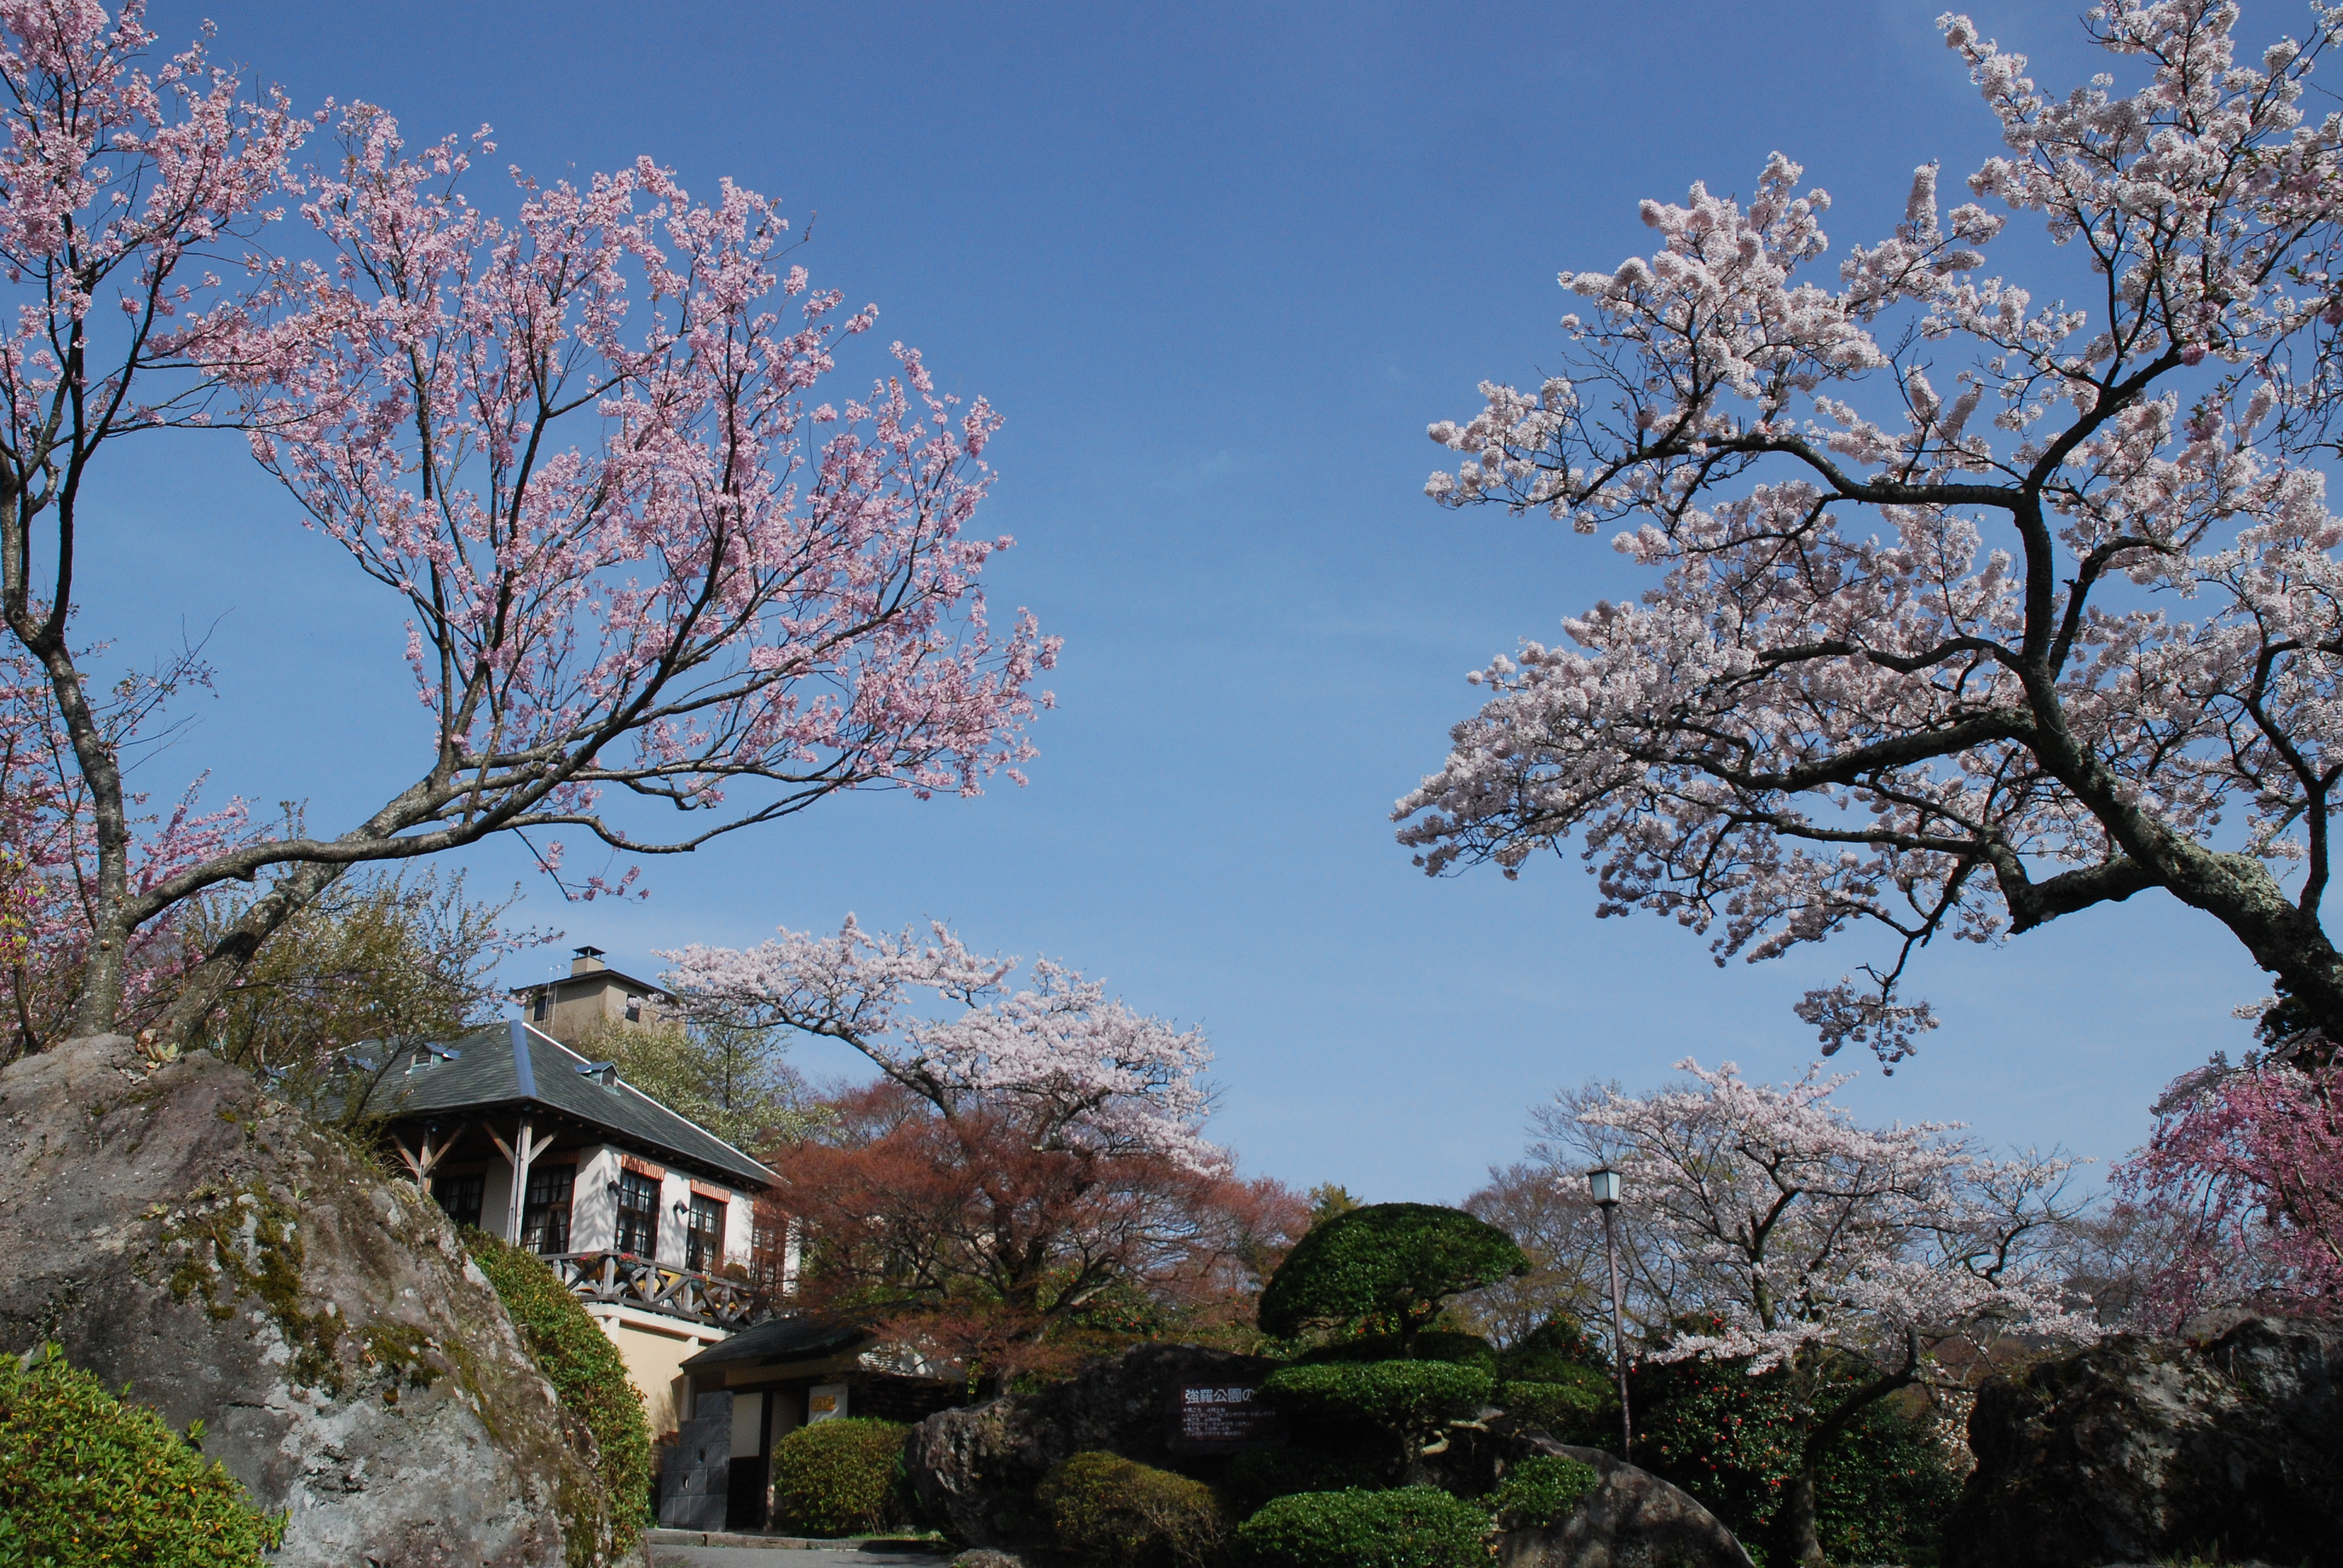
(516, 1066)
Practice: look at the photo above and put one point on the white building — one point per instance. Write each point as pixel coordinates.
(649, 1218)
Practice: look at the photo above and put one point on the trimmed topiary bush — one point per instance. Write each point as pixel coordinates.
(842, 1477)
(1585, 1409)
(1407, 1402)
(1104, 1508)
(1386, 1267)
(1432, 1345)
(585, 1368)
(1391, 1394)
(1539, 1491)
(1409, 1527)
(86, 1479)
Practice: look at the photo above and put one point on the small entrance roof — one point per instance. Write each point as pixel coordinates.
(781, 1339)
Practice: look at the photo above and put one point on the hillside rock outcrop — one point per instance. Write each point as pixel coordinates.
(177, 1230)
(976, 1467)
(2137, 1450)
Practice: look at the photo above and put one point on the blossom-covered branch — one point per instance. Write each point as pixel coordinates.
(584, 444)
(1082, 1070)
(1915, 659)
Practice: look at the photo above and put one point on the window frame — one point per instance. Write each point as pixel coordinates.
(703, 1228)
(479, 1180)
(637, 1183)
(551, 1219)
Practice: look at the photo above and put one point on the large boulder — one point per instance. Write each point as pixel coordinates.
(2135, 1450)
(976, 1467)
(177, 1230)
(1632, 1519)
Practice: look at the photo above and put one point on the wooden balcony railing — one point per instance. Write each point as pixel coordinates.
(630, 1282)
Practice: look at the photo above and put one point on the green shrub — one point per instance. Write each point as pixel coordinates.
(1398, 1396)
(1583, 1409)
(1385, 1267)
(585, 1368)
(1408, 1527)
(1254, 1477)
(1104, 1508)
(1551, 1351)
(1539, 1491)
(842, 1477)
(1881, 1491)
(87, 1480)
(1432, 1345)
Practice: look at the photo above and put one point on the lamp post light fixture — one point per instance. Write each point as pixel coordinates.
(1603, 1186)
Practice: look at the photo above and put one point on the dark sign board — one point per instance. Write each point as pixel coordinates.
(1221, 1418)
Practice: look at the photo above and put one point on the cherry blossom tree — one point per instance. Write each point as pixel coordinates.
(1079, 1069)
(2244, 1183)
(1852, 1263)
(1030, 1151)
(1972, 611)
(642, 557)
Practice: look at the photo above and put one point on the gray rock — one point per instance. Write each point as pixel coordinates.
(2138, 1450)
(976, 1468)
(177, 1230)
(1632, 1519)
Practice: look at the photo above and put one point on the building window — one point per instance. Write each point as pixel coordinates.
(703, 1243)
(460, 1196)
(545, 1217)
(639, 1213)
(634, 1010)
(544, 1004)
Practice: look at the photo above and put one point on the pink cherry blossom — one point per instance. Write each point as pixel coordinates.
(1079, 1069)
(2244, 1175)
(1972, 611)
(574, 432)
(1854, 1261)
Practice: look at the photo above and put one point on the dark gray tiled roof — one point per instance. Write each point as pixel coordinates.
(783, 1340)
(513, 1065)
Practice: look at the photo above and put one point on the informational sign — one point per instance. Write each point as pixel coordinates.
(825, 1401)
(1223, 1418)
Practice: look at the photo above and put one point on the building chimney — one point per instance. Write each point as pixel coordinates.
(587, 962)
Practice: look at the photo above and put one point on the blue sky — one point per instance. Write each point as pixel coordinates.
(1219, 265)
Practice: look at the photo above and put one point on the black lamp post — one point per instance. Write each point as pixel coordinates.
(1603, 1186)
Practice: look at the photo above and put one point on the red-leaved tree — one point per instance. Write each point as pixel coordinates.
(1976, 605)
(1027, 1178)
(581, 442)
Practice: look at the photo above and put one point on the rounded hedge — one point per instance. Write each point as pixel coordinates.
(1387, 1266)
(1432, 1345)
(1400, 1396)
(1541, 1490)
(86, 1479)
(1104, 1508)
(1407, 1527)
(586, 1370)
(1582, 1406)
(842, 1477)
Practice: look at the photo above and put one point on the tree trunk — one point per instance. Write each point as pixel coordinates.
(1796, 1538)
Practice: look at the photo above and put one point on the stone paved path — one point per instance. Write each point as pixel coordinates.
(684, 1549)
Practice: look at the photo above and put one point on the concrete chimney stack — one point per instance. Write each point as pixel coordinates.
(587, 962)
